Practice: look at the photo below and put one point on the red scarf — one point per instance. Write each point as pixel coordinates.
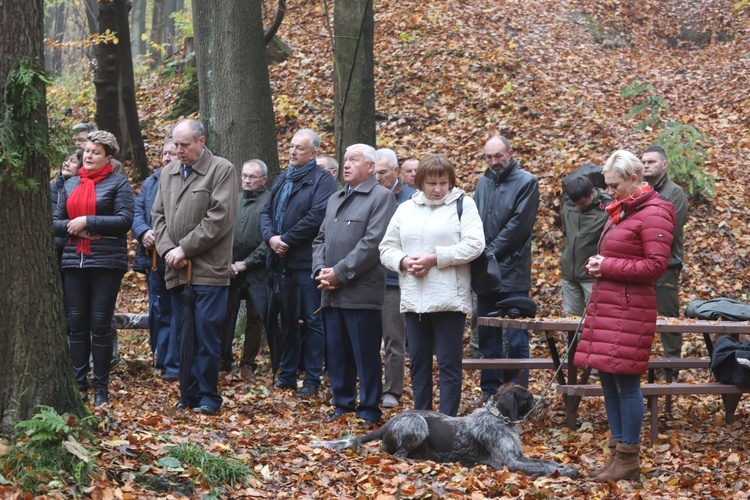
(82, 200)
(616, 209)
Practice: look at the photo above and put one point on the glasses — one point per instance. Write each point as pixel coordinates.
(499, 156)
(252, 177)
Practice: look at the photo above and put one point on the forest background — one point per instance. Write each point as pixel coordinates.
(548, 75)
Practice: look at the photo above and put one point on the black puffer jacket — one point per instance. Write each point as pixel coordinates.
(114, 216)
(55, 190)
(507, 204)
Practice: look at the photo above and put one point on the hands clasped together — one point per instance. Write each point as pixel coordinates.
(418, 265)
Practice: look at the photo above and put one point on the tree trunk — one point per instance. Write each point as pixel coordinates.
(107, 80)
(236, 108)
(34, 358)
(354, 91)
(170, 41)
(138, 45)
(56, 31)
(157, 31)
(127, 94)
(92, 16)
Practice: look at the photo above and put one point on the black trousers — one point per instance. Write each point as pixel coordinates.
(91, 295)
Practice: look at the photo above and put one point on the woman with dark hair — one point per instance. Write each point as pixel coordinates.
(621, 316)
(430, 241)
(94, 213)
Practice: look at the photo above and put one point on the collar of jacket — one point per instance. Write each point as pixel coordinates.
(253, 195)
(660, 183)
(364, 188)
(201, 166)
(498, 178)
(450, 197)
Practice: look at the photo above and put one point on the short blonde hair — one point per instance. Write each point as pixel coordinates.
(625, 163)
(105, 139)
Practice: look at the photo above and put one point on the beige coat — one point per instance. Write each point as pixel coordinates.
(197, 215)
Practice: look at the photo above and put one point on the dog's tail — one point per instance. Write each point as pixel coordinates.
(353, 442)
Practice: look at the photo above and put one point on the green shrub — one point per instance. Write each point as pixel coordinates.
(48, 452)
(213, 470)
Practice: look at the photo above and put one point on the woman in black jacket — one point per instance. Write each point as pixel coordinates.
(94, 213)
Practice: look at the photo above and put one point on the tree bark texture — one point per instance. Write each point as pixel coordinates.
(138, 28)
(92, 16)
(127, 93)
(354, 90)
(234, 87)
(170, 35)
(107, 80)
(157, 30)
(58, 33)
(34, 360)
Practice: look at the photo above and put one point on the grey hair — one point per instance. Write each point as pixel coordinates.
(503, 139)
(83, 127)
(106, 140)
(328, 158)
(168, 142)
(314, 138)
(625, 163)
(195, 126)
(389, 155)
(368, 152)
(260, 163)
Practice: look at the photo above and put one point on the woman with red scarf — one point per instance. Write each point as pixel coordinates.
(621, 315)
(94, 214)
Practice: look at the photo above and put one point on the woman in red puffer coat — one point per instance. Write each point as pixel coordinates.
(621, 315)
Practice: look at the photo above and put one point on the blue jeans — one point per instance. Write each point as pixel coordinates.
(353, 339)
(160, 320)
(491, 342)
(441, 333)
(209, 312)
(623, 401)
(306, 341)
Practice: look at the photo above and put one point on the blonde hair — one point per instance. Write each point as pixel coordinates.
(625, 163)
(105, 139)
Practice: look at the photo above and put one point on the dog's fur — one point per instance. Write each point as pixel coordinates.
(480, 438)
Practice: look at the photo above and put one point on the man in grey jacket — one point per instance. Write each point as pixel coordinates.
(193, 215)
(346, 264)
(507, 198)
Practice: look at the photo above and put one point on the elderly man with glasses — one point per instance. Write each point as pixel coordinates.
(507, 198)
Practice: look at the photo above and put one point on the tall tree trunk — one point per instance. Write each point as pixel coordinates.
(157, 30)
(107, 80)
(34, 356)
(138, 45)
(236, 108)
(170, 38)
(354, 90)
(127, 94)
(55, 31)
(92, 16)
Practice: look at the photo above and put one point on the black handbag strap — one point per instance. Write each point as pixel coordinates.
(460, 206)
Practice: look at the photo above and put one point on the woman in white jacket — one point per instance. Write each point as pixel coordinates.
(430, 241)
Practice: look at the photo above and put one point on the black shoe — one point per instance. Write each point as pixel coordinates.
(282, 385)
(307, 390)
(225, 367)
(205, 410)
(170, 376)
(101, 396)
(336, 414)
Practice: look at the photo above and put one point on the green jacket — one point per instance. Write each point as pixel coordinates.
(582, 231)
(248, 241)
(674, 194)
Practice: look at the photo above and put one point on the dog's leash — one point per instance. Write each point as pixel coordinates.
(574, 339)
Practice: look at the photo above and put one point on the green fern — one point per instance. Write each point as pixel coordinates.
(47, 425)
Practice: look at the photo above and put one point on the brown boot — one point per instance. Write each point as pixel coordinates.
(612, 444)
(627, 464)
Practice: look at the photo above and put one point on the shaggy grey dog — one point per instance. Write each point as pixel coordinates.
(487, 436)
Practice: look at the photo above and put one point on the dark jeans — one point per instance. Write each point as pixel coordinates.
(91, 295)
(440, 333)
(256, 302)
(353, 339)
(209, 312)
(623, 401)
(491, 342)
(306, 340)
(668, 304)
(160, 321)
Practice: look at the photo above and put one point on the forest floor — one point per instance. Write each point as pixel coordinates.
(448, 74)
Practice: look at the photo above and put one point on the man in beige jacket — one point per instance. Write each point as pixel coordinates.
(193, 216)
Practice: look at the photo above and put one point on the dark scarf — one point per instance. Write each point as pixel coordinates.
(619, 209)
(291, 177)
(82, 200)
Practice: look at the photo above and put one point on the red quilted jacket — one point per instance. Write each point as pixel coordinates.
(621, 316)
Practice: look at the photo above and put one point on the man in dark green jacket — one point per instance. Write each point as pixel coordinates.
(655, 163)
(583, 218)
(249, 270)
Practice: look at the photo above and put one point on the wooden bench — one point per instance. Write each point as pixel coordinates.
(730, 395)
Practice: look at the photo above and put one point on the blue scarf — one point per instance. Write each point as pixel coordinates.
(292, 176)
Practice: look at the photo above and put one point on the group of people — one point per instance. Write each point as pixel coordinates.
(380, 259)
